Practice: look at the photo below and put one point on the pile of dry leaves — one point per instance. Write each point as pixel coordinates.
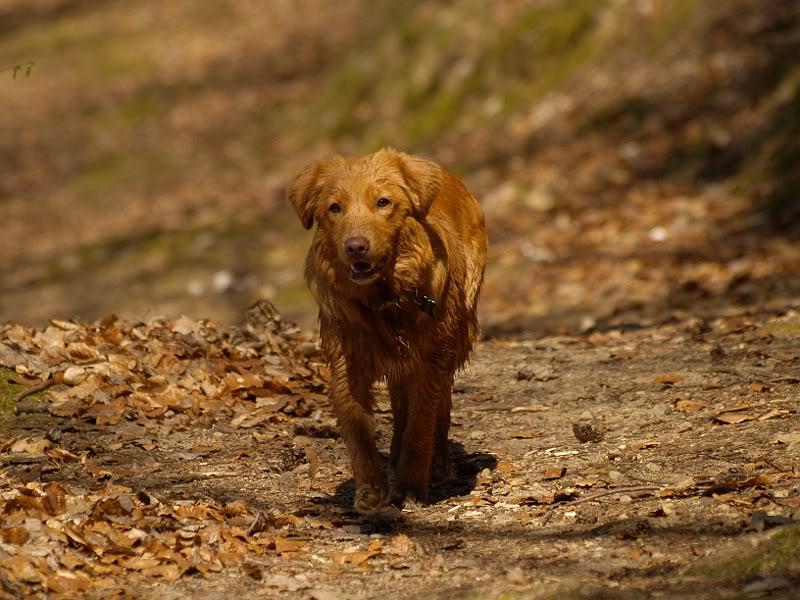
(155, 376)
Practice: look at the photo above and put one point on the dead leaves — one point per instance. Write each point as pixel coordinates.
(116, 531)
(114, 371)
(739, 414)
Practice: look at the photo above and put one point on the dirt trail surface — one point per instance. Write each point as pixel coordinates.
(179, 460)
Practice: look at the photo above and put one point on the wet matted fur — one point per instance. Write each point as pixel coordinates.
(396, 266)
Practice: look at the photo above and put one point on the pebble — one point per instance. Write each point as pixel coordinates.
(615, 476)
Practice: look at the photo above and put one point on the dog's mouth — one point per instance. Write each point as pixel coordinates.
(362, 269)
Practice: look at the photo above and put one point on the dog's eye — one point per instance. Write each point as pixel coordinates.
(335, 208)
(383, 202)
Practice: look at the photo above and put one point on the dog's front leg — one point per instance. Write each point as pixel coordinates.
(352, 403)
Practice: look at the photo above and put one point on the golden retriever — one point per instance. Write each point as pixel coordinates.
(396, 266)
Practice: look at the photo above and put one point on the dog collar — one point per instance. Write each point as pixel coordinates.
(426, 305)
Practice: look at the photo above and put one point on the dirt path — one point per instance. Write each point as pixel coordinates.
(699, 445)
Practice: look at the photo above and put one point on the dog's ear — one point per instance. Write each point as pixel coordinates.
(304, 193)
(424, 180)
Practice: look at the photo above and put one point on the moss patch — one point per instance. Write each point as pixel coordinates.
(8, 391)
(779, 556)
(790, 329)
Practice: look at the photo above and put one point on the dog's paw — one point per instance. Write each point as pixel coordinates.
(370, 499)
(407, 501)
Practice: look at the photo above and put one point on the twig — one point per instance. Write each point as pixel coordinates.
(35, 389)
(619, 490)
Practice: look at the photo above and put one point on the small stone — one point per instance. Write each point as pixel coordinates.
(616, 476)
(625, 499)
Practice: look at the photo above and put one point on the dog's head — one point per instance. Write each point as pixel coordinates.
(360, 205)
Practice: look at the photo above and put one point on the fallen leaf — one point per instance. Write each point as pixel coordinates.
(554, 473)
(644, 444)
(669, 379)
(731, 418)
(185, 326)
(287, 545)
(775, 414)
(30, 446)
(14, 535)
(758, 387)
(688, 406)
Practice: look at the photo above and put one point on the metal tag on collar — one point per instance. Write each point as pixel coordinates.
(428, 306)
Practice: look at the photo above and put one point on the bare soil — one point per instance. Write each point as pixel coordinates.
(691, 457)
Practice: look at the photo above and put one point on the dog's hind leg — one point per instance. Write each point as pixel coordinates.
(427, 390)
(441, 464)
(399, 394)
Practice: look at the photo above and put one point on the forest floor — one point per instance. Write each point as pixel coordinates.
(629, 426)
(180, 460)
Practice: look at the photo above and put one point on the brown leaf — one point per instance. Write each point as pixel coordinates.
(775, 413)
(688, 406)
(244, 380)
(81, 352)
(731, 418)
(758, 387)
(14, 535)
(554, 473)
(587, 483)
(287, 545)
(56, 498)
(30, 446)
(526, 435)
(669, 379)
(138, 563)
(644, 444)
(107, 414)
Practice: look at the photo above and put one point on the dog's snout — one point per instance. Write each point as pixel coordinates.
(357, 247)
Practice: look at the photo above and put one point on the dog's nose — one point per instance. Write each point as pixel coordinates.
(356, 246)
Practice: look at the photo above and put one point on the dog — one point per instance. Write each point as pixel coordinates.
(396, 266)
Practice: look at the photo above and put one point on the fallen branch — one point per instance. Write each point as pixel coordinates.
(620, 490)
(35, 389)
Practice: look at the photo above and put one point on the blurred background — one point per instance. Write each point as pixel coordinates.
(638, 160)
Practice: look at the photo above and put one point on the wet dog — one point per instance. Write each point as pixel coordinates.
(396, 266)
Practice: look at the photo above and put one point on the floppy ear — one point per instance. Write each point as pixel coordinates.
(424, 180)
(304, 193)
